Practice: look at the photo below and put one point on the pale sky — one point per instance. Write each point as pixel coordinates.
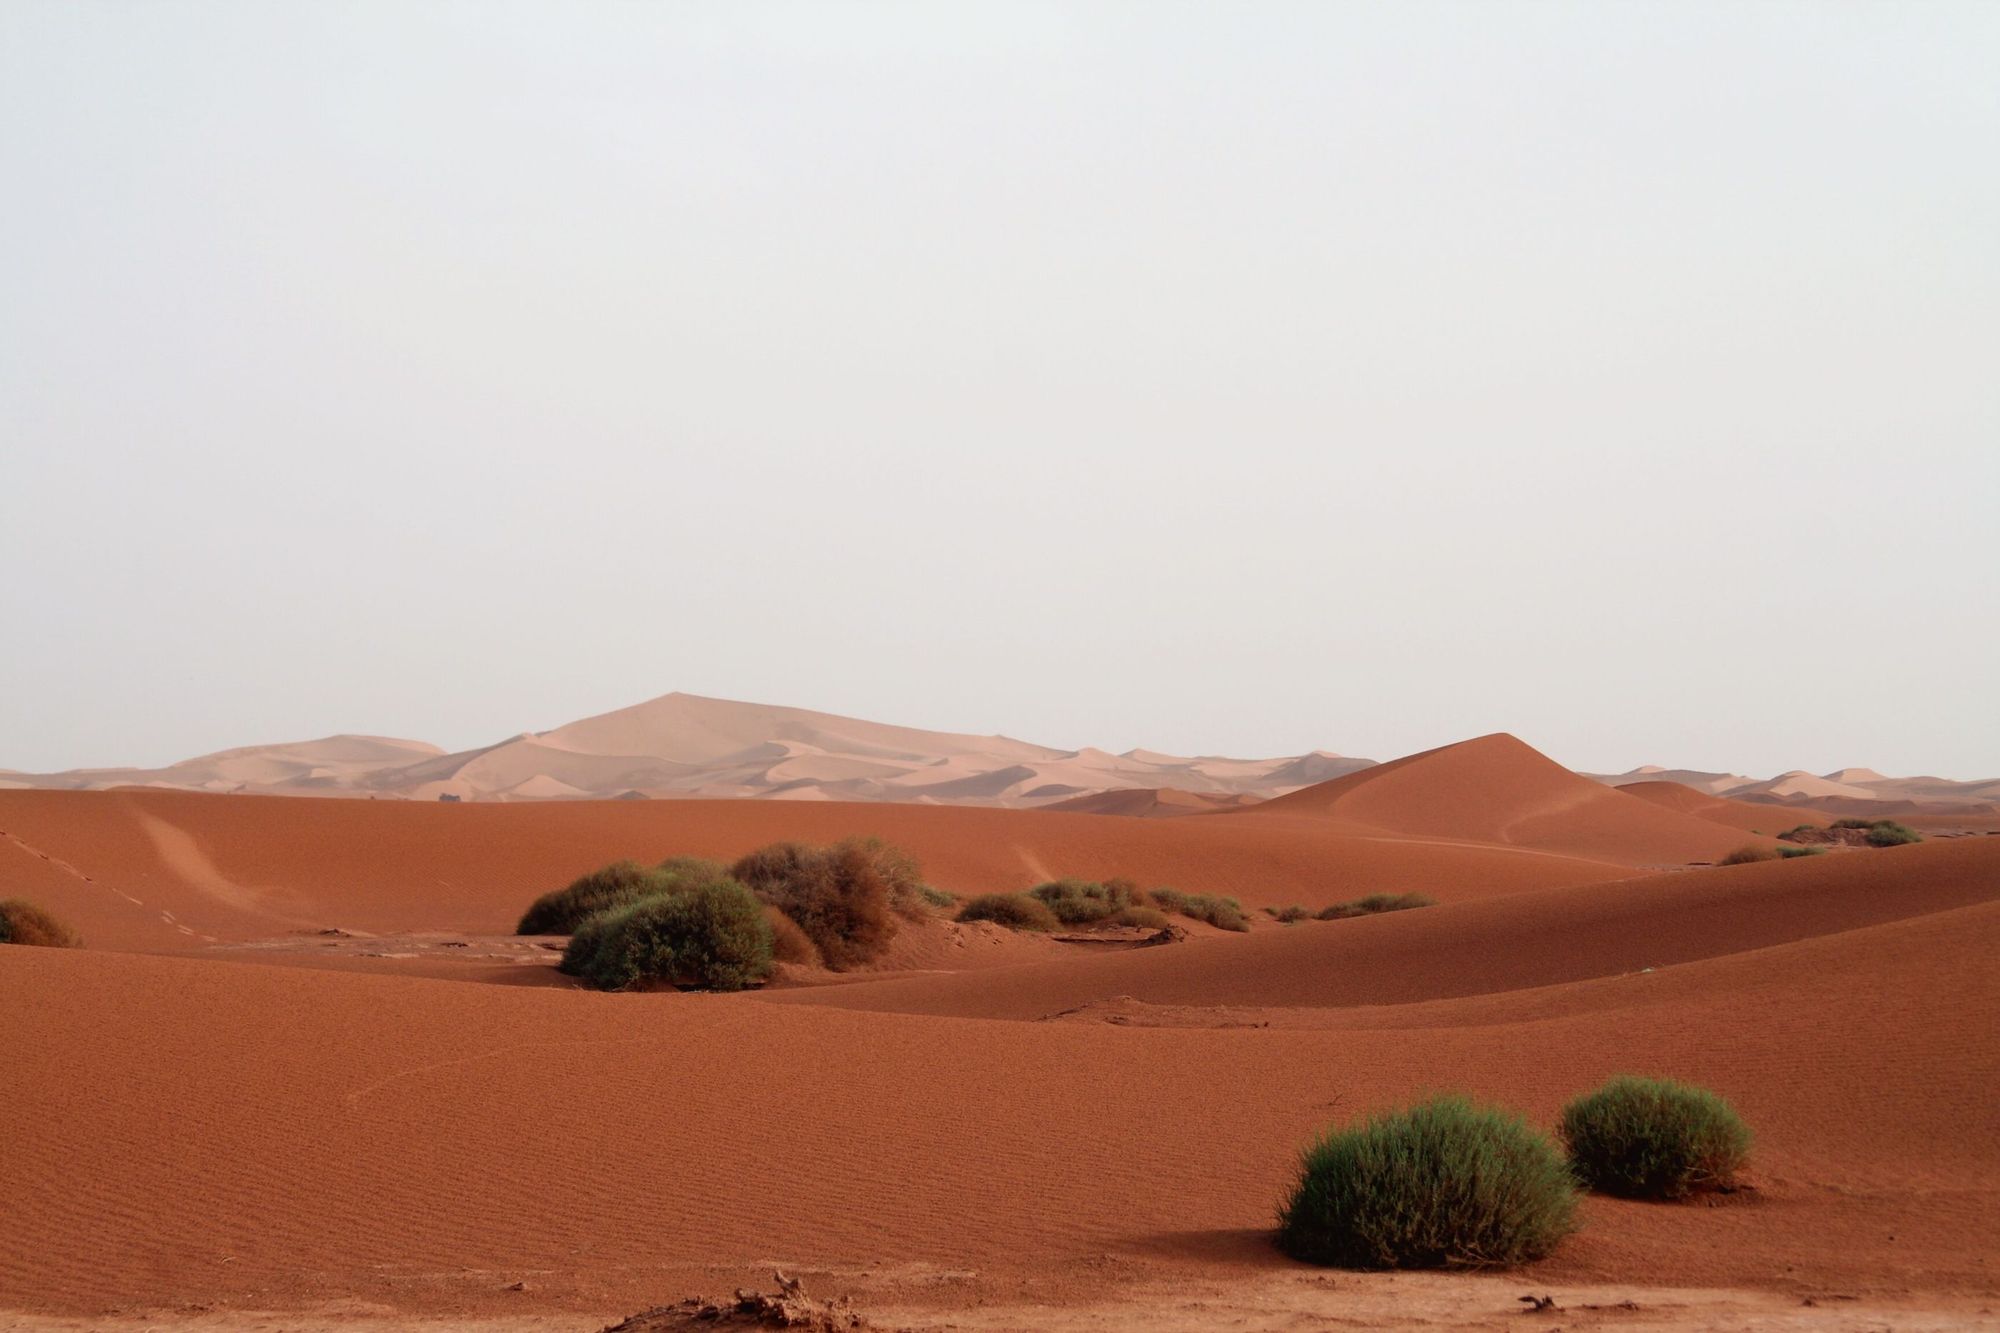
(1233, 378)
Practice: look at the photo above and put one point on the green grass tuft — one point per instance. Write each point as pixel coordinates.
(1445, 1183)
(711, 936)
(1224, 913)
(1650, 1138)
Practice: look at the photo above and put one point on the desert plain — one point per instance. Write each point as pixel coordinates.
(305, 1076)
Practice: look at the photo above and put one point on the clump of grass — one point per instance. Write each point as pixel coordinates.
(1289, 915)
(1791, 853)
(1082, 902)
(617, 885)
(1374, 904)
(21, 922)
(1444, 1183)
(1744, 856)
(713, 936)
(937, 898)
(1147, 918)
(1225, 913)
(1651, 1138)
(1888, 833)
(845, 897)
(1851, 823)
(1801, 828)
(1016, 911)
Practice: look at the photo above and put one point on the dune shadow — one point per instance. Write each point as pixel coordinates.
(1237, 1247)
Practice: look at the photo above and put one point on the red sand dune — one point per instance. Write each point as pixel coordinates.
(1477, 947)
(163, 870)
(1496, 789)
(1748, 815)
(273, 1137)
(185, 1131)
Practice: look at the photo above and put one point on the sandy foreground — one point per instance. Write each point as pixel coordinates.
(303, 1078)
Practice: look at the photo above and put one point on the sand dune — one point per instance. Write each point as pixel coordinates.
(1750, 816)
(1488, 945)
(684, 745)
(269, 1137)
(993, 1120)
(155, 869)
(1497, 790)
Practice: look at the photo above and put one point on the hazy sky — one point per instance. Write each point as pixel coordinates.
(1226, 378)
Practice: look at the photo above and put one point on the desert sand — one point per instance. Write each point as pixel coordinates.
(303, 1078)
(687, 746)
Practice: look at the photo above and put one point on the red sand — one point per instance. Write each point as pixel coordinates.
(185, 1131)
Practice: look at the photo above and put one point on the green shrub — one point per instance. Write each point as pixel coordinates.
(1789, 853)
(1082, 902)
(24, 923)
(616, 885)
(843, 897)
(1225, 913)
(1016, 911)
(693, 870)
(1800, 828)
(1289, 915)
(1888, 833)
(713, 936)
(1375, 904)
(1147, 918)
(1744, 856)
(1654, 1138)
(938, 898)
(1850, 823)
(1443, 1183)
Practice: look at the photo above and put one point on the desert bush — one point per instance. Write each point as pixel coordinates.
(1888, 833)
(1148, 918)
(1445, 1182)
(1016, 911)
(22, 922)
(1744, 856)
(1225, 913)
(1082, 902)
(616, 885)
(941, 899)
(1849, 823)
(1374, 904)
(1654, 1138)
(789, 944)
(713, 936)
(1289, 915)
(1801, 828)
(692, 870)
(1790, 853)
(844, 896)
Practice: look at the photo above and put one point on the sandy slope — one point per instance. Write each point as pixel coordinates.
(1747, 815)
(155, 870)
(191, 1131)
(201, 1132)
(1496, 789)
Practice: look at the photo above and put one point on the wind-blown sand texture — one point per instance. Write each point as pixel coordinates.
(216, 1110)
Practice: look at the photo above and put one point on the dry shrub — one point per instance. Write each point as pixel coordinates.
(1744, 856)
(1016, 911)
(1374, 904)
(844, 897)
(789, 944)
(24, 923)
